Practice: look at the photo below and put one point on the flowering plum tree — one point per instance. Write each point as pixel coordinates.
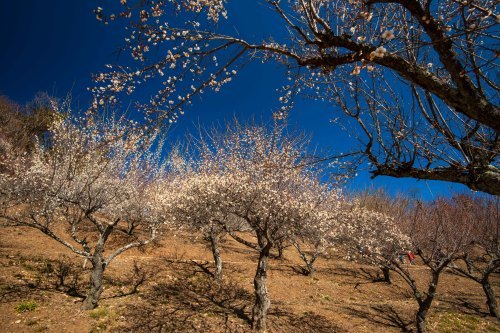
(415, 79)
(193, 204)
(198, 205)
(80, 189)
(262, 177)
(320, 242)
(375, 236)
(328, 232)
(397, 207)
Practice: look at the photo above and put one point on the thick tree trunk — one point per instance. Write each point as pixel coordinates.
(423, 308)
(310, 263)
(214, 245)
(94, 293)
(490, 297)
(262, 301)
(425, 304)
(486, 180)
(98, 267)
(387, 276)
(420, 320)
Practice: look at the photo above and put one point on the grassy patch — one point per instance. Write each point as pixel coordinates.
(105, 317)
(26, 306)
(448, 322)
(99, 313)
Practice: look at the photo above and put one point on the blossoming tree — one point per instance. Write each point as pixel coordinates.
(439, 232)
(415, 79)
(84, 187)
(199, 206)
(398, 208)
(260, 176)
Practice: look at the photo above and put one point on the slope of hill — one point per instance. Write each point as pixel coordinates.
(169, 289)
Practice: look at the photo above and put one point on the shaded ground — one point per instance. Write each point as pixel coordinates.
(169, 289)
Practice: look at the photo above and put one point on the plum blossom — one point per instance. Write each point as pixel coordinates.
(379, 52)
(388, 35)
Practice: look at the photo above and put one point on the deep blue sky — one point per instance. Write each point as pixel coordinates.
(55, 45)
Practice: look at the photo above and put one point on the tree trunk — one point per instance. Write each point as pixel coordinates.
(214, 245)
(98, 266)
(94, 294)
(387, 276)
(281, 249)
(130, 228)
(262, 301)
(490, 297)
(423, 308)
(425, 304)
(420, 320)
(310, 268)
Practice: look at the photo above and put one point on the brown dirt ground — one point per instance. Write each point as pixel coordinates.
(178, 295)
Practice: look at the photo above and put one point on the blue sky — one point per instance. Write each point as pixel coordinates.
(54, 45)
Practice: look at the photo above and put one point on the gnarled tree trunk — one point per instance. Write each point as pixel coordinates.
(262, 301)
(309, 269)
(214, 246)
(94, 293)
(483, 279)
(425, 304)
(98, 267)
(421, 319)
(490, 297)
(281, 249)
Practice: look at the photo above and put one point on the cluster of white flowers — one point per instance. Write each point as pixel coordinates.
(91, 174)
(261, 176)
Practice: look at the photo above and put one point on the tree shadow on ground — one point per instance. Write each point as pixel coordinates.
(248, 252)
(190, 302)
(384, 315)
(38, 275)
(128, 284)
(282, 320)
(298, 269)
(464, 305)
(287, 267)
(193, 267)
(205, 267)
(368, 275)
(67, 276)
(358, 276)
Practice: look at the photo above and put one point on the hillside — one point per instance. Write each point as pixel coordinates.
(175, 292)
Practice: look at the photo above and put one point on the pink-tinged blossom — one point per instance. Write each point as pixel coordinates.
(388, 35)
